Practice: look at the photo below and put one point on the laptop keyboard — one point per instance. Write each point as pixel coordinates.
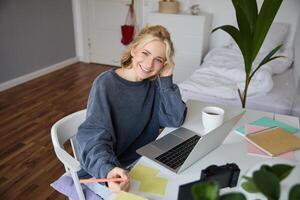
(178, 154)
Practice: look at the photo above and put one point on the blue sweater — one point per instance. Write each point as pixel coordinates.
(123, 116)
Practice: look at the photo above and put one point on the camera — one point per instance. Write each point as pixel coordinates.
(225, 175)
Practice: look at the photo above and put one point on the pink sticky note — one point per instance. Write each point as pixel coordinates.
(253, 128)
(252, 149)
(289, 156)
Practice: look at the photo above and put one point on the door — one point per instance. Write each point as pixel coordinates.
(105, 19)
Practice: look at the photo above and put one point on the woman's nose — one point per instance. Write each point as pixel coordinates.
(149, 62)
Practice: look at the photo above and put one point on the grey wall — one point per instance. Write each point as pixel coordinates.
(34, 34)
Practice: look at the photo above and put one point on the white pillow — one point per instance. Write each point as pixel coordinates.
(277, 35)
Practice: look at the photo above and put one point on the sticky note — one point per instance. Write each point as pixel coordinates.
(128, 196)
(142, 172)
(268, 122)
(252, 128)
(252, 149)
(155, 185)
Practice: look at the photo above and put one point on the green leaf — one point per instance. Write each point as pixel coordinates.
(247, 178)
(242, 19)
(279, 170)
(245, 34)
(267, 183)
(265, 167)
(205, 191)
(282, 170)
(266, 60)
(268, 57)
(233, 196)
(294, 193)
(250, 8)
(236, 35)
(250, 187)
(264, 20)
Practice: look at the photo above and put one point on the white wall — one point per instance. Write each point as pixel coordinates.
(297, 57)
(223, 13)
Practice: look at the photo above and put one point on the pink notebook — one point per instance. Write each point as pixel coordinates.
(253, 150)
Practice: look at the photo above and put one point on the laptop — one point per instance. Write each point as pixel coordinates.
(182, 147)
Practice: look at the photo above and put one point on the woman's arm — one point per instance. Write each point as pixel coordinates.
(172, 110)
(95, 136)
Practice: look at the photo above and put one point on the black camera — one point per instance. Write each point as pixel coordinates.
(225, 175)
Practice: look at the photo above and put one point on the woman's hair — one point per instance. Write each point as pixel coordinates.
(146, 35)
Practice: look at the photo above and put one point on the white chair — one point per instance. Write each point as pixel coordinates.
(62, 131)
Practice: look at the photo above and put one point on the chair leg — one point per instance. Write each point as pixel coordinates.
(77, 185)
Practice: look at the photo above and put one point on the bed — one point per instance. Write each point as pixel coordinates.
(272, 89)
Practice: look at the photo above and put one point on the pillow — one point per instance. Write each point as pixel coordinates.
(277, 35)
(65, 185)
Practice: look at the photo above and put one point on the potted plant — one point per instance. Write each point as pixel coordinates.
(253, 27)
(265, 180)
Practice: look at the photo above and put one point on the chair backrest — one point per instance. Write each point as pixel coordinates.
(63, 130)
(66, 128)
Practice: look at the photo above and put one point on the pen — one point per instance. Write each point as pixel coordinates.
(101, 180)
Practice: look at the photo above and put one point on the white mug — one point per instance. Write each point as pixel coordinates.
(212, 117)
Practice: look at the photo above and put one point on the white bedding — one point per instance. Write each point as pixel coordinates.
(278, 100)
(218, 78)
(222, 73)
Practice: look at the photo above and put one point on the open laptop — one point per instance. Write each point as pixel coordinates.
(182, 147)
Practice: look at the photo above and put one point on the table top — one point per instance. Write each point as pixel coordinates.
(233, 149)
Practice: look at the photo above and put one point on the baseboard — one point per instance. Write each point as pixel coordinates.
(38, 73)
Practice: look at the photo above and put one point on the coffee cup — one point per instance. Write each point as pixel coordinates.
(212, 117)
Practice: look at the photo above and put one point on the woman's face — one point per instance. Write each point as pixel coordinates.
(148, 60)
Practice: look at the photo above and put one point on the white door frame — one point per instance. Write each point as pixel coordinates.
(81, 34)
(80, 20)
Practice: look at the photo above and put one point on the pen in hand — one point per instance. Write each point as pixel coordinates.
(101, 180)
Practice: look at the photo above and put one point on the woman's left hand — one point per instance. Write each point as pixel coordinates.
(167, 70)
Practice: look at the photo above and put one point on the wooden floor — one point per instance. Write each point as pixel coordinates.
(27, 160)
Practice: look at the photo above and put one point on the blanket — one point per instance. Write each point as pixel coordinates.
(222, 74)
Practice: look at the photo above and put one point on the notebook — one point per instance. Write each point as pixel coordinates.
(274, 141)
(265, 123)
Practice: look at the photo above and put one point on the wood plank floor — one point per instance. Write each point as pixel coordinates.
(27, 160)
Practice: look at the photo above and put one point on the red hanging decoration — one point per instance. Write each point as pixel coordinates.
(128, 28)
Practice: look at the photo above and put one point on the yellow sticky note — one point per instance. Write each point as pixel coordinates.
(142, 172)
(154, 185)
(128, 196)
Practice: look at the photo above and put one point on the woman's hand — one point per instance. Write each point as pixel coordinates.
(118, 186)
(167, 69)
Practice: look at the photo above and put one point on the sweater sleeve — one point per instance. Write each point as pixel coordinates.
(172, 110)
(95, 137)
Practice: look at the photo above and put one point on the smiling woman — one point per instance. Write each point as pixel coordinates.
(149, 55)
(128, 106)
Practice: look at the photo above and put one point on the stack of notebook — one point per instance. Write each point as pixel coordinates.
(269, 137)
(274, 141)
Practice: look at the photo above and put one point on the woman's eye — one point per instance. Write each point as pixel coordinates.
(145, 53)
(158, 60)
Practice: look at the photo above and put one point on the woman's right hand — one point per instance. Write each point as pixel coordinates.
(118, 186)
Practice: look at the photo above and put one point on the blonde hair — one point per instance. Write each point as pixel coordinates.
(146, 35)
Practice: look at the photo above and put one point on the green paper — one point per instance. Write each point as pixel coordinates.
(268, 123)
(155, 185)
(141, 172)
(128, 196)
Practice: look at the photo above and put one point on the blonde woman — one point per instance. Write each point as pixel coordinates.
(127, 106)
